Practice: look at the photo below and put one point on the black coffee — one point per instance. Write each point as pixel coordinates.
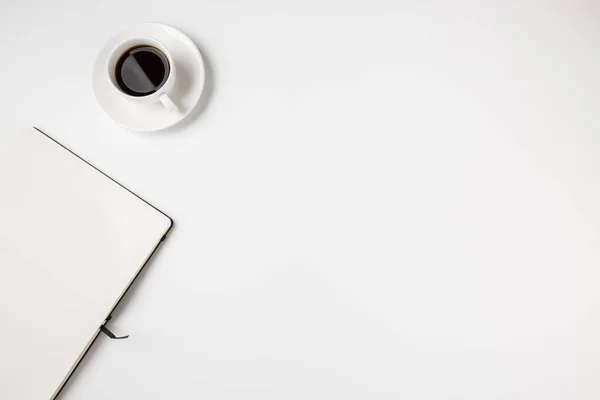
(142, 70)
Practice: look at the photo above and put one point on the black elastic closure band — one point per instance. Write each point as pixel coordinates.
(108, 333)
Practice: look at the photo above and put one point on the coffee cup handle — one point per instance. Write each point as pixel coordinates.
(168, 103)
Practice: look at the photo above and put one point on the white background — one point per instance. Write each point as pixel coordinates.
(378, 199)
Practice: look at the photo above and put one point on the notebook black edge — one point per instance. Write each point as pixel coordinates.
(171, 224)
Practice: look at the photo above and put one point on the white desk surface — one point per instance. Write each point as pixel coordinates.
(379, 200)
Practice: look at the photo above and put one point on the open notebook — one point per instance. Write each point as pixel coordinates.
(71, 243)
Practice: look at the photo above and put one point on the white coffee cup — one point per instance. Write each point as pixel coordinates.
(164, 93)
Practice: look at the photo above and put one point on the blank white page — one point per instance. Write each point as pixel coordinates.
(71, 242)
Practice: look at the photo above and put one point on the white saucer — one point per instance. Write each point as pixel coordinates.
(153, 117)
